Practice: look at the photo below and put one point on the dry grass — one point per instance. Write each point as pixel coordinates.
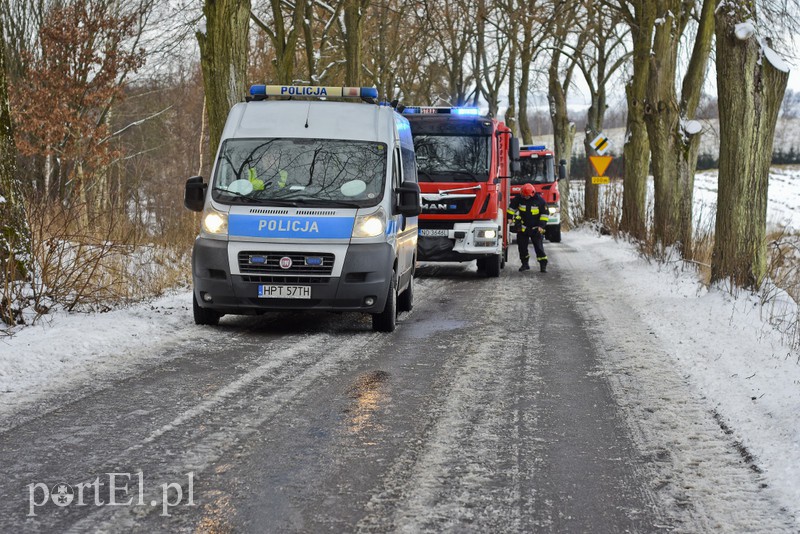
(97, 263)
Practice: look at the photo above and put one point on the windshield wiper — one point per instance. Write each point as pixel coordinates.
(235, 194)
(325, 202)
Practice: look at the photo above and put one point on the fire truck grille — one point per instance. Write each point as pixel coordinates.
(454, 206)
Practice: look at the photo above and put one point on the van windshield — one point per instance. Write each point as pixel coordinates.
(535, 171)
(451, 158)
(296, 171)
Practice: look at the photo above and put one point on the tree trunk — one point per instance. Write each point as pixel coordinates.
(511, 111)
(353, 23)
(594, 125)
(636, 152)
(526, 59)
(662, 116)
(223, 59)
(750, 89)
(15, 248)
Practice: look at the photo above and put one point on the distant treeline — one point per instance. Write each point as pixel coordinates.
(704, 162)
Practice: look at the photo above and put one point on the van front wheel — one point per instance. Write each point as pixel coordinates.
(386, 321)
(204, 316)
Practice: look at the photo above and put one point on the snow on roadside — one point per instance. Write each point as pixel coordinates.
(72, 348)
(723, 347)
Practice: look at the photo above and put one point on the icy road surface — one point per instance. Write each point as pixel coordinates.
(528, 403)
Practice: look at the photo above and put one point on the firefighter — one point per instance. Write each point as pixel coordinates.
(529, 213)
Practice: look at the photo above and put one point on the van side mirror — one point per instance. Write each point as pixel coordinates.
(514, 149)
(194, 195)
(562, 169)
(410, 199)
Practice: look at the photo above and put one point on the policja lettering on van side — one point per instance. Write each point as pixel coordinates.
(285, 225)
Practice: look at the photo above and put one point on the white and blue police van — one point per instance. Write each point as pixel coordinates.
(312, 205)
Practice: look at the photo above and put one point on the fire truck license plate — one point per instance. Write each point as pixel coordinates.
(284, 292)
(433, 233)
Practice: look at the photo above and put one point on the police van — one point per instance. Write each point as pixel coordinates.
(312, 204)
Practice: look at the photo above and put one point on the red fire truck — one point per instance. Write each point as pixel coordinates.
(537, 167)
(464, 163)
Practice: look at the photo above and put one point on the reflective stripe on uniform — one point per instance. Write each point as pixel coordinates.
(534, 211)
(544, 218)
(523, 208)
(542, 258)
(511, 212)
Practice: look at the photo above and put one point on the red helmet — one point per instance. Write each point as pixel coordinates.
(527, 190)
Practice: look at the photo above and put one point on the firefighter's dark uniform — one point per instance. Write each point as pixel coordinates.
(531, 213)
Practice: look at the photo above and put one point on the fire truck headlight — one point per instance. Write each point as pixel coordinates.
(553, 209)
(486, 234)
(371, 225)
(215, 222)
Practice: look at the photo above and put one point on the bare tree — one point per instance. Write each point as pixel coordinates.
(489, 54)
(640, 17)
(673, 151)
(603, 55)
(223, 58)
(559, 76)
(284, 39)
(751, 81)
(452, 24)
(14, 237)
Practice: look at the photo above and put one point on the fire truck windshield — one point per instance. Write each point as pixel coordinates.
(444, 158)
(297, 171)
(535, 171)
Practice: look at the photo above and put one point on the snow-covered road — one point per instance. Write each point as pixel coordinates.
(607, 395)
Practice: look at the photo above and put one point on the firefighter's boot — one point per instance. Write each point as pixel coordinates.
(543, 266)
(525, 266)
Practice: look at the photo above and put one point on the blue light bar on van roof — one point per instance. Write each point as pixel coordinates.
(432, 110)
(313, 91)
(533, 147)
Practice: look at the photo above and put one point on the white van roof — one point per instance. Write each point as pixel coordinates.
(325, 120)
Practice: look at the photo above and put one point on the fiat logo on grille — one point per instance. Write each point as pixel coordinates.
(286, 262)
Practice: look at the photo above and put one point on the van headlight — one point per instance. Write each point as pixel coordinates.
(371, 225)
(215, 222)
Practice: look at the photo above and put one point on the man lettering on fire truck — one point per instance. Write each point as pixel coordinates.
(529, 213)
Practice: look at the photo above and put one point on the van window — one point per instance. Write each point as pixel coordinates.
(297, 171)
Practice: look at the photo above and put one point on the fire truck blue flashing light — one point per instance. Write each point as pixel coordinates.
(313, 91)
(429, 110)
(533, 147)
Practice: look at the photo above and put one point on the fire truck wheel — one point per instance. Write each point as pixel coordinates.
(386, 321)
(481, 264)
(493, 265)
(204, 316)
(553, 234)
(405, 302)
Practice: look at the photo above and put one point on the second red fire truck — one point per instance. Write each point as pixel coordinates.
(464, 164)
(537, 167)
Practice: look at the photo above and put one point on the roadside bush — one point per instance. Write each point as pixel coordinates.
(85, 262)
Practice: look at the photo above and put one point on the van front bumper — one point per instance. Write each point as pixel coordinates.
(365, 276)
